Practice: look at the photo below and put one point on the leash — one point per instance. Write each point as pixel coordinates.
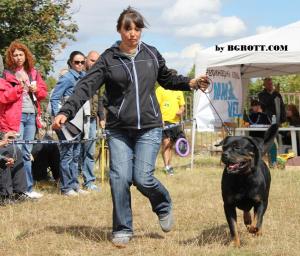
(212, 105)
(170, 126)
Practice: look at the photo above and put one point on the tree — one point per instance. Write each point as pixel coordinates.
(191, 73)
(288, 83)
(43, 25)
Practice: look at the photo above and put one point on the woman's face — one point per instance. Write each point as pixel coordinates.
(78, 63)
(19, 58)
(289, 113)
(131, 36)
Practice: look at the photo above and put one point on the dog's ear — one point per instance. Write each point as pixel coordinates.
(220, 143)
(258, 143)
(269, 137)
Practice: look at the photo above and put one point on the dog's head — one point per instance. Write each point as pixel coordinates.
(241, 154)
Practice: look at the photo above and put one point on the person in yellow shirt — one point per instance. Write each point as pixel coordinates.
(172, 107)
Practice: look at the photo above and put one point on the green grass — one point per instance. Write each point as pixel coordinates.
(56, 225)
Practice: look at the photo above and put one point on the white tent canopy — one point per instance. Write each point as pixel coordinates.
(257, 63)
(252, 62)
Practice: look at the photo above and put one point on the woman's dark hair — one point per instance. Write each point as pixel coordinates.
(295, 118)
(130, 15)
(255, 103)
(72, 55)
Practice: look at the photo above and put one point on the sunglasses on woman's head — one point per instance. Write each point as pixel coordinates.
(77, 62)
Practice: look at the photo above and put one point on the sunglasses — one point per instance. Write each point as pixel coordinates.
(77, 62)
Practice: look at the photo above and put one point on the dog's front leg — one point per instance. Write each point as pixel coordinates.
(259, 211)
(247, 219)
(230, 213)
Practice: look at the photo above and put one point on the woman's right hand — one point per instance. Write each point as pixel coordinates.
(58, 121)
(10, 162)
(201, 82)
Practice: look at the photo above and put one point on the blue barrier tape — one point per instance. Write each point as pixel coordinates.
(53, 141)
(103, 135)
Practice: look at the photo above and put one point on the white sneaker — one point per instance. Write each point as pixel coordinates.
(82, 192)
(71, 193)
(34, 195)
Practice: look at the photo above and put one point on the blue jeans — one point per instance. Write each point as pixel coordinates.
(27, 132)
(88, 151)
(132, 161)
(68, 166)
(272, 154)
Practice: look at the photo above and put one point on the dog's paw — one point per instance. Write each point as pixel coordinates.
(248, 227)
(254, 230)
(235, 243)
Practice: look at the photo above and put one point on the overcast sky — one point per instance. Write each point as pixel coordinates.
(177, 28)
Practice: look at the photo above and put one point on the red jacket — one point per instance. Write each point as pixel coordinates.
(11, 100)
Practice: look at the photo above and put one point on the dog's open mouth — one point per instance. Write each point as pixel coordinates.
(232, 167)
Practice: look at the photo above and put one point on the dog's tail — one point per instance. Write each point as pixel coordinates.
(269, 137)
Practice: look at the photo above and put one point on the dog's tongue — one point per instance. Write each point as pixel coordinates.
(233, 166)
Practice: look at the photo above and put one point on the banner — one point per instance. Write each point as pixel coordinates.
(225, 93)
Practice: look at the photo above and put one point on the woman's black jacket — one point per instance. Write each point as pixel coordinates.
(130, 87)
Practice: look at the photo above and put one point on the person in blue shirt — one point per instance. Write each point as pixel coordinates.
(69, 153)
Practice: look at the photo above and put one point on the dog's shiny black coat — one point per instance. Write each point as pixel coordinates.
(246, 180)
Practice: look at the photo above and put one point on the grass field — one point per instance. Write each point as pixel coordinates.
(56, 225)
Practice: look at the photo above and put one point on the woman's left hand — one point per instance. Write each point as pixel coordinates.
(59, 120)
(201, 82)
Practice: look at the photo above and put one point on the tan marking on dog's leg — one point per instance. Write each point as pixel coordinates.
(247, 219)
(236, 239)
(253, 229)
(254, 219)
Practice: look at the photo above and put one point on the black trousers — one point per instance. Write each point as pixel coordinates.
(12, 179)
(45, 156)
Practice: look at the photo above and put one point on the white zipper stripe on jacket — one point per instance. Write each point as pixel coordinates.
(152, 54)
(126, 68)
(137, 94)
(156, 114)
(121, 107)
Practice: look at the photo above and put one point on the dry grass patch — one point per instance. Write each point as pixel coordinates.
(57, 225)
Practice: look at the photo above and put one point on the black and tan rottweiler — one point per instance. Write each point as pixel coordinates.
(246, 180)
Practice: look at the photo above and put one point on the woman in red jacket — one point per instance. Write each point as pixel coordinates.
(21, 90)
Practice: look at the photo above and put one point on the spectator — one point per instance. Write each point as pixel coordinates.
(129, 69)
(13, 185)
(45, 157)
(69, 153)
(293, 119)
(101, 113)
(292, 114)
(1, 66)
(257, 117)
(172, 107)
(271, 101)
(88, 148)
(272, 104)
(21, 91)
